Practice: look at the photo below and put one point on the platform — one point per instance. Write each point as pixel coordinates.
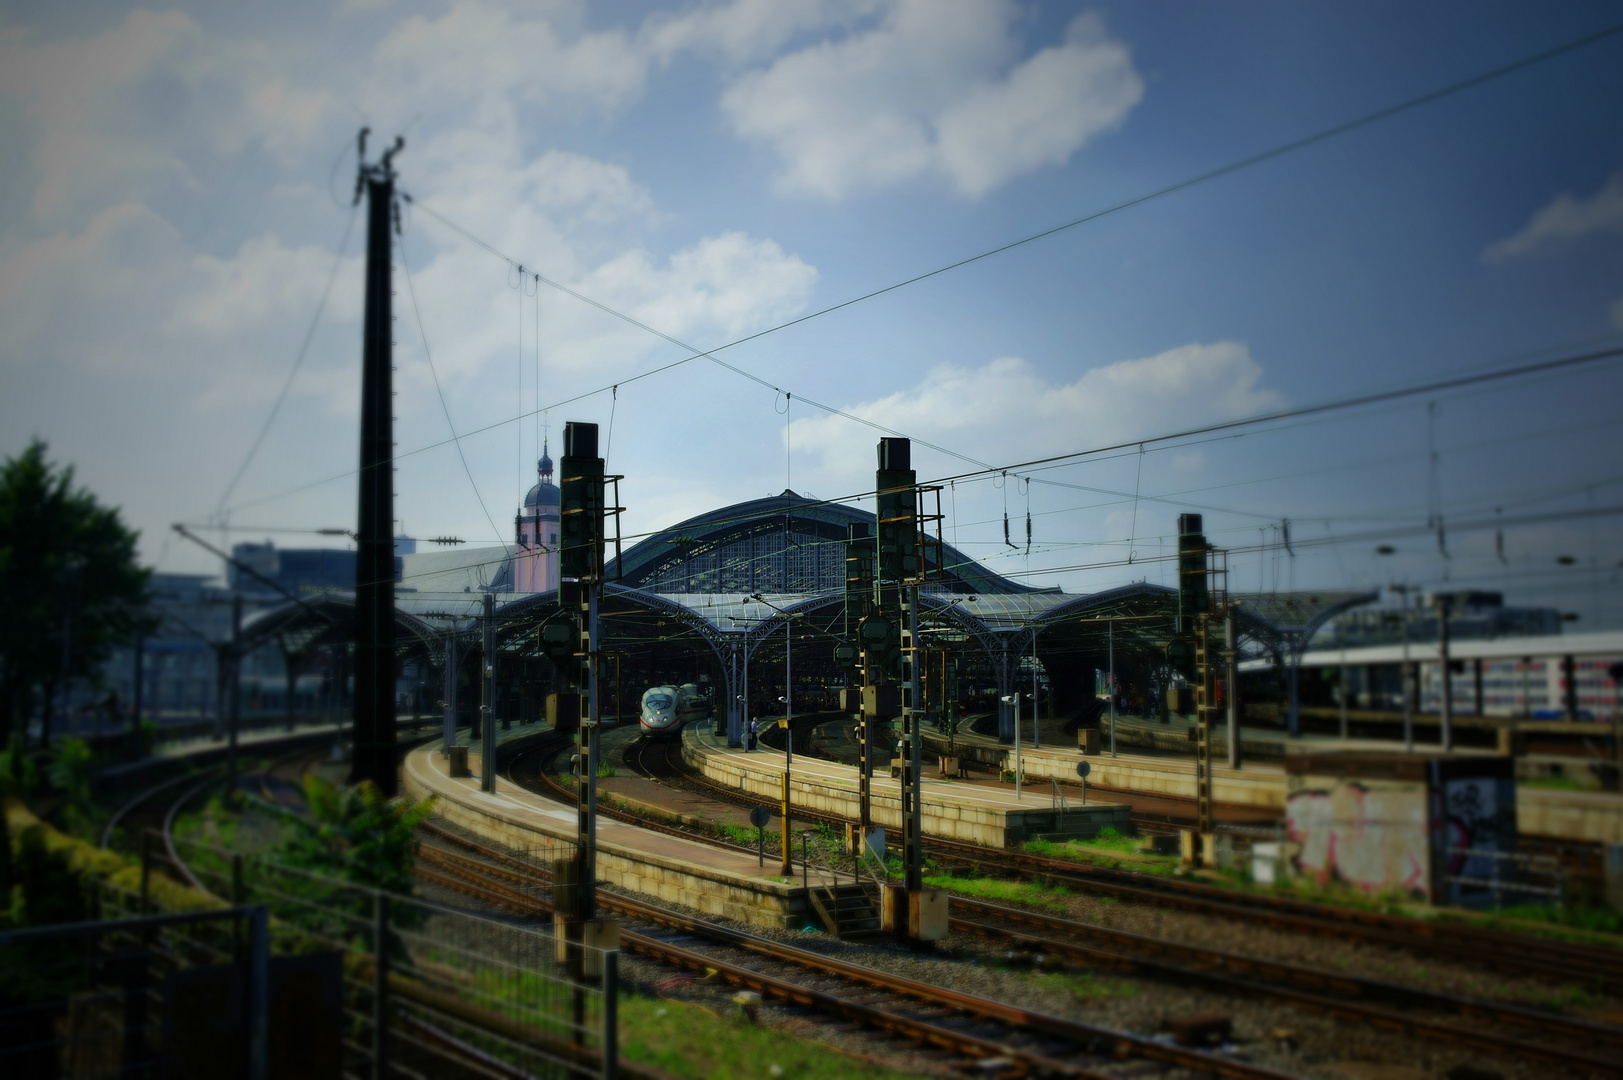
(1578, 816)
(1258, 784)
(950, 809)
(701, 876)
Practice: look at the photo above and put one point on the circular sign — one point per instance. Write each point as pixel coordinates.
(1083, 768)
(760, 816)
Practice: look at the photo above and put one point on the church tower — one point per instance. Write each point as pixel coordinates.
(535, 554)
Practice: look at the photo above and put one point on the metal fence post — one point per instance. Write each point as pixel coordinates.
(146, 873)
(611, 1014)
(380, 983)
(258, 993)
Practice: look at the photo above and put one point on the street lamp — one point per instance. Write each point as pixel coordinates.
(1015, 700)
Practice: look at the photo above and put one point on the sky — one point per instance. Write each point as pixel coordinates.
(181, 271)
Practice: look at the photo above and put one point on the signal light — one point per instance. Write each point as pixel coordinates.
(881, 639)
(558, 638)
(897, 484)
(580, 510)
(1194, 596)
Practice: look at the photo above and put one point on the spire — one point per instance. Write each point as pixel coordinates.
(544, 466)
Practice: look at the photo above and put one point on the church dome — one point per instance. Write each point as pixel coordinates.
(545, 492)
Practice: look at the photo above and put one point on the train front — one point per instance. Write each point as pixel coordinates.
(659, 713)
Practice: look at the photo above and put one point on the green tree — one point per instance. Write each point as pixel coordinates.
(69, 585)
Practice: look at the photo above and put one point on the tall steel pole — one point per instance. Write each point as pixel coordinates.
(788, 723)
(234, 685)
(374, 732)
(1230, 630)
(487, 704)
(1110, 685)
(1446, 735)
(450, 692)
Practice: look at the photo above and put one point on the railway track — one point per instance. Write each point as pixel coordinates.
(1495, 1027)
(966, 1031)
(1585, 964)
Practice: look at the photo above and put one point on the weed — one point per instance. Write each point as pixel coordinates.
(1088, 986)
(1039, 894)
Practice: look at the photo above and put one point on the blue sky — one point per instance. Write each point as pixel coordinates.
(181, 184)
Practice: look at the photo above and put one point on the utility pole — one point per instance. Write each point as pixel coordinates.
(583, 512)
(374, 732)
(1445, 735)
(1230, 630)
(902, 559)
(858, 604)
(1195, 607)
(450, 692)
(788, 721)
(234, 683)
(487, 696)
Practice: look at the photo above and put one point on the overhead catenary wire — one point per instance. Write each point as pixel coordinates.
(298, 362)
(411, 291)
(1234, 166)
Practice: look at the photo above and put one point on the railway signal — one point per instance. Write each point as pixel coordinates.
(584, 512)
(1204, 623)
(912, 912)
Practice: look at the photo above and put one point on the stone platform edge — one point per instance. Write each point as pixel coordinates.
(1263, 788)
(941, 817)
(712, 890)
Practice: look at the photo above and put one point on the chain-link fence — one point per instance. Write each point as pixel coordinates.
(412, 982)
(176, 995)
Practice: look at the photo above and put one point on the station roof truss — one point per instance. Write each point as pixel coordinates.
(328, 618)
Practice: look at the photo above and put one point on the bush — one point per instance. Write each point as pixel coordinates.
(357, 834)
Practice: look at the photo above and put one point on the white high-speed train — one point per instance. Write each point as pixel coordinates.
(666, 708)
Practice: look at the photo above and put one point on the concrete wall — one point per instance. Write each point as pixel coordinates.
(1591, 816)
(1370, 833)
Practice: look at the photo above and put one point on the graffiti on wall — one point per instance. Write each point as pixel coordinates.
(1370, 834)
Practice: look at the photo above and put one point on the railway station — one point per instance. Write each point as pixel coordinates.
(1199, 659)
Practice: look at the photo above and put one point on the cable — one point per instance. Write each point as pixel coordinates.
(298, 361)
(411, 290)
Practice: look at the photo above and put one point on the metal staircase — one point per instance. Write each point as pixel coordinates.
(847, 911)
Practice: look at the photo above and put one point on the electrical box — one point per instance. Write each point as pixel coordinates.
(927, 914)
(458, 762)
(563, 712)
(851, 699)
(598, 935)
(1087, 740)
(883, 701)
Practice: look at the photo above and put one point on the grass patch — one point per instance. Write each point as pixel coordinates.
(1108, 848)
(1555, 783)
(689, 1041)
(749, 836)
(1088, 986)
(1039, 894)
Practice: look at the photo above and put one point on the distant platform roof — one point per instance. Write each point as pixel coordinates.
(782, 544)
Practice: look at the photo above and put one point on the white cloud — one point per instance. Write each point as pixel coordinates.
(479, 51)
(1565, 218)
(746, 30)
(1006, 410)
(937, 87)
(121, 115)
(264, 283)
